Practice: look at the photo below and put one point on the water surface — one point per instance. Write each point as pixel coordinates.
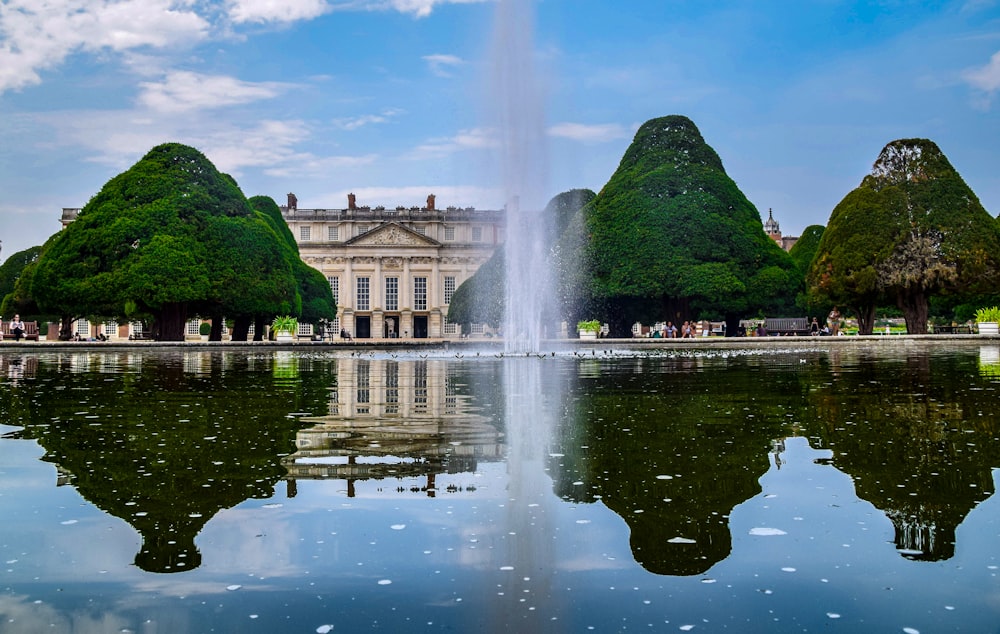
(843, 489)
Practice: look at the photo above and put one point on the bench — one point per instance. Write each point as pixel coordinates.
(951, 330)
(30, 331)
(787, 326)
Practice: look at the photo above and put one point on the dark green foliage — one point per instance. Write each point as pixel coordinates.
(313, 288)
(169, 238)
(671, 236)
(802, 253)
(480, 299)
(15, 275)
(913, 229)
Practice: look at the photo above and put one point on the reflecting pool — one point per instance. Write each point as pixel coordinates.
(837, 488)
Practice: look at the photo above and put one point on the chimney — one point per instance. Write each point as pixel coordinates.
(430, 203)
(352, 202)
(293, 202)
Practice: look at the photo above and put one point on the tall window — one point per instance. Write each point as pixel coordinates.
(477, 234)
(449, 233)
(449, 288)
(392, 293)
(420, 293)
(363, 295)
(111, 328)
(335, 289)
(333, 234)
(359, 229)
(305, 234)
(193, 326)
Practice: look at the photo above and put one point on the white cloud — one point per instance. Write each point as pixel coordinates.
(183, 91)
(259, 11)
(590, 133)
(440, 64)
(353, 123)
(985, 78)
(418, 8)
(472, 139)
(35, 36)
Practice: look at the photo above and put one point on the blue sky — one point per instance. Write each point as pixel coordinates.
(389, 99)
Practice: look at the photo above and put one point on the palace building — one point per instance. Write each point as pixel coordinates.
(773, 231)
(393, 271)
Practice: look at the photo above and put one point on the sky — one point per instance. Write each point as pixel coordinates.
(392, 99)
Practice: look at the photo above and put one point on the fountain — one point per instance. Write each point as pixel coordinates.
(519, 117)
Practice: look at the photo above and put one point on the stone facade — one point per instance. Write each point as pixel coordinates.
(773, 231)
(392, 271)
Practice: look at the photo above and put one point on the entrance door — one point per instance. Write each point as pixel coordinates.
(363, 325)
(420, 327)
(390, 327)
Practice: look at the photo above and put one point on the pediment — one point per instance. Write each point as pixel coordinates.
(391, 234)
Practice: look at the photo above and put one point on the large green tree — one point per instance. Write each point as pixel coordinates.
(802, 253)
(317, 303)
(14, 275)
(912, 230)
(671, 236)
(169, 238)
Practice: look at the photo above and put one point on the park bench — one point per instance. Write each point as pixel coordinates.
(30, 331)
(951, 330)
(786, 326)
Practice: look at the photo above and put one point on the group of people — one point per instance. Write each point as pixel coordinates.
(831, 327)
(670, 331)
(16, 327)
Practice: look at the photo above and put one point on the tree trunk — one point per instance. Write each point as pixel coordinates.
(915, 307)
(65, 328)
(169, 322)
(259, 326)
(216, 333)
(866, 318)
(241, 328)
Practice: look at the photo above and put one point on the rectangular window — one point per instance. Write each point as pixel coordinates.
(477, 329)
(449, 288)
(363, 378)
(364, 288)
(392, 293)
(193, 327)
(305, 330)
(136, 329)
(421, 229)
(111, 328)
(477, 234)
(333, 234)
(82, 327)
(359, 229)
(305, 234)
(449, 233)
(420, 293)
(335, 289)
(450, 329)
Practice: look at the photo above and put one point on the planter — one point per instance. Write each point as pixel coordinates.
(283, 336)
(588, 334)
(988, 328)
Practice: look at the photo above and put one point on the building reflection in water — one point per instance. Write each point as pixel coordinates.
(392, 419)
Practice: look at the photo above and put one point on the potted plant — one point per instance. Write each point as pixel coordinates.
(987, 320)
(204, 329)
(284, 327)
(588, 328)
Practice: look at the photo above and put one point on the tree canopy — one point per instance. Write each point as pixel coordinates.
(912, 230)
(15, 273)
(671, 236)
(169, 238)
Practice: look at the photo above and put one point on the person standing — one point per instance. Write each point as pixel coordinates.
(833, 321)
(17, 327)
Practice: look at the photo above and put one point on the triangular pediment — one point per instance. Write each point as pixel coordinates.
(391, 234)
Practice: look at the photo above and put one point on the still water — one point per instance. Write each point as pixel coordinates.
(842, 489)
